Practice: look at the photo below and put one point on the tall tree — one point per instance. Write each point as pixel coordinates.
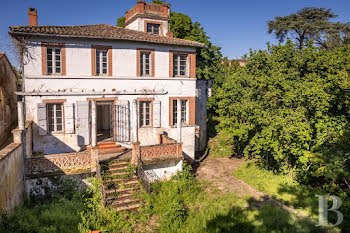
(310, 23)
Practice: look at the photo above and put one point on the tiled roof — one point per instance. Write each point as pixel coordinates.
(2, 54)
(100, 31)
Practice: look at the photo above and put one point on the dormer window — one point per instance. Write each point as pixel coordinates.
(153, 28)
(53, 61)
(180, 65)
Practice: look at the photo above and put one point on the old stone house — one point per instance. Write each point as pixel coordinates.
(8, 99)
(99, 85)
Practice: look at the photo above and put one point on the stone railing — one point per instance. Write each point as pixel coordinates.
(69, 163)
(169, 150)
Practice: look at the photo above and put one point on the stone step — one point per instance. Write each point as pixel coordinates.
(128, 208)
(121, 191)
(107, 143)
(101, 147)
(117, 163)
(127, 184)
(111, 150)
(125, 202)
(119, 180)
(117, 169)
(120, 197)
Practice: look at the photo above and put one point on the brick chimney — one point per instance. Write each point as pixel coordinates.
(33, 16)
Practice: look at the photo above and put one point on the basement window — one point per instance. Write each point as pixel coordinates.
(153, 28)
(101, 62)
(55, 117)
(180, 65)
(145, 113)
(53, 61)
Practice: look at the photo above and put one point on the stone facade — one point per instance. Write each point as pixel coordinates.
(8, 100)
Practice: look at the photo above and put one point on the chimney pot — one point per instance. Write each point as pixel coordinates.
(33, 17)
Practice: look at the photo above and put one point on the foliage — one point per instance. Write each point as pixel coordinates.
(208, 58)
(58, 214)
(289, 108)
(311, 23)
(121, 22)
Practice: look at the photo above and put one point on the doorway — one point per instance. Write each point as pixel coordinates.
(105, 121)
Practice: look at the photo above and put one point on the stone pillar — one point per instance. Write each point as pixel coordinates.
(160, 141)
(135, 152)
(93, 124)
(135, 134)
(17, 136)
(178, 124)
(94, 161)
(20, 111)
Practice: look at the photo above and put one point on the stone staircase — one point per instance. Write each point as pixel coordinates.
(109, 148)
(121, 185)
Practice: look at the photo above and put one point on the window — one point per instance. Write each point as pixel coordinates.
(145, 64)
(101, 62)
(153, 28)
(53, 61)
(179, 64)
(55, 117)
(145, 113)
(184, 112)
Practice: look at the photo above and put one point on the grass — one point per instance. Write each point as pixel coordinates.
(181, 204)
(281, 187)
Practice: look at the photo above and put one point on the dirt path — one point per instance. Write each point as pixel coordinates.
(218, 172)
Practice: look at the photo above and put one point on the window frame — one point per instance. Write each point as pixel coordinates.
(44, 61)
(140, 52)
(186, 73)
(143, 64)
(152, 25)
(142, 113)
(185, 117)
(54, 104)
(53, 60)
(100, 51)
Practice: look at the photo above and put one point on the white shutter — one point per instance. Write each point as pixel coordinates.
(83, 122)
(69, 117)
(42, 118)
(156, 114)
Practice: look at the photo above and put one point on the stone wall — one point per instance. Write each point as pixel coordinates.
(68, 163)
(8, 100)
(160, 153)
(11, 176)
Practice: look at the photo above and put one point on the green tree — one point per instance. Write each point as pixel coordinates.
(311, 23)
(121, 22)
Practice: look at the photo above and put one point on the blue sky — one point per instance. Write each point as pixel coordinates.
(236, 26)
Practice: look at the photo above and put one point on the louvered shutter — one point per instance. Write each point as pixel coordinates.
(83, 122)
(69, 118)
(156, 114)
(42, 118)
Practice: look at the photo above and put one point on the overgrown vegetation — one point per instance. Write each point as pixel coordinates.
(178, 205)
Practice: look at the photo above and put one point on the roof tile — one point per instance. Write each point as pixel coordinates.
(101, 31)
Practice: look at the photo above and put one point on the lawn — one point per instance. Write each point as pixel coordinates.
(281, 187)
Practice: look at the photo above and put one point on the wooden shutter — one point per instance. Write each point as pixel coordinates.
(156, 114)
(83, 122)
(69, 118)
(42, 118)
